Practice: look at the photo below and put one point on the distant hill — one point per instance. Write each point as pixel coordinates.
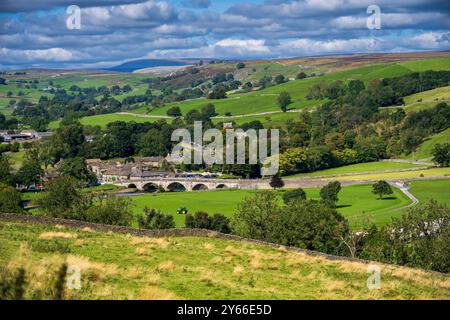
(131, 66)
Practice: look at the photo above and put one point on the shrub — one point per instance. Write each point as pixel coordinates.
(276, 182)
(294, 195)
(10, 199)
(310, 225)
(441, 154)
(220, 223)
(111, 210)
(200, 220)
(420, 238)
(255, 216)
(329, 193)
(174, 112)
(306, 224)
(284, 99)
(63, 199)
(154, 219)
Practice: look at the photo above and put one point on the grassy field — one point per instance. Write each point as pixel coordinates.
(16, 159)
(360, 167)
(425, 150)
(4, 107)
(102, 120)
(438, 190)
(355, 202)
(115, 266)
(428, 173)
(426, 99)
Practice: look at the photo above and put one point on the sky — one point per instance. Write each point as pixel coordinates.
(36, 33)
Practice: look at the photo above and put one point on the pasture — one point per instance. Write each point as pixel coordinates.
(438, 190)
(361, 167)
(425, 150)
(420, 173)
(118, 266)
(355, 202)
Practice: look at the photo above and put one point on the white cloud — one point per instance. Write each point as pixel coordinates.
(53, 54)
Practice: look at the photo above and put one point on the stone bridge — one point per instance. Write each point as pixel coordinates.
(197, 184)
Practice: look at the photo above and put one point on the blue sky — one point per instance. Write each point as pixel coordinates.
(34, 33)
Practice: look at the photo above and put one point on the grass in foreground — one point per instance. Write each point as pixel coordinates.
(115, 266)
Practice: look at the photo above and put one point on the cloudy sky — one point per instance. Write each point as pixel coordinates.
(35, 33)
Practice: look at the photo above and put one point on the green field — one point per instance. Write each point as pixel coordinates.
(360, 167)
(438, 190)
(425, 150)
(16, 159)
(428, 173)
(4, 107)
(117, 266)
(354, 203)
(266, 100)
(426, 99)
(102, 120)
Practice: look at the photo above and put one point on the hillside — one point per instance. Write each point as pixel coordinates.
(243, 107)
(134, 65)
(425, 150)
(118, 266)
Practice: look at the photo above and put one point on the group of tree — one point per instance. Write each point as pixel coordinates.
(64, 199)
(441, 154)
(8, 123)
(420, 238)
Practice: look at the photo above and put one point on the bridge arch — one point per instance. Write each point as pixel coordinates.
(176, 187)
(150, 187)
(221, 186)
(132, 186)
(199, 186)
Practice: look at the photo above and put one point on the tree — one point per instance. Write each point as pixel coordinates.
(110, 209)
(294, 195)
(381, 188)
(200, 220)
(154, 219)
(219, 92)
(276, 181)
(193, 115)
(284, 99)
(256, 216)
(441, 154)
(305, 224)
(220, 223)
(329, 193)
(420, 238)
(62, 197)
(174, 112)
(354, 87)
(30, 173)
(301, 75)
(10, 199)
(240, 65)
(77, 168)
(209, 111)
(6, 176)
(309, 225)
(279, 79)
